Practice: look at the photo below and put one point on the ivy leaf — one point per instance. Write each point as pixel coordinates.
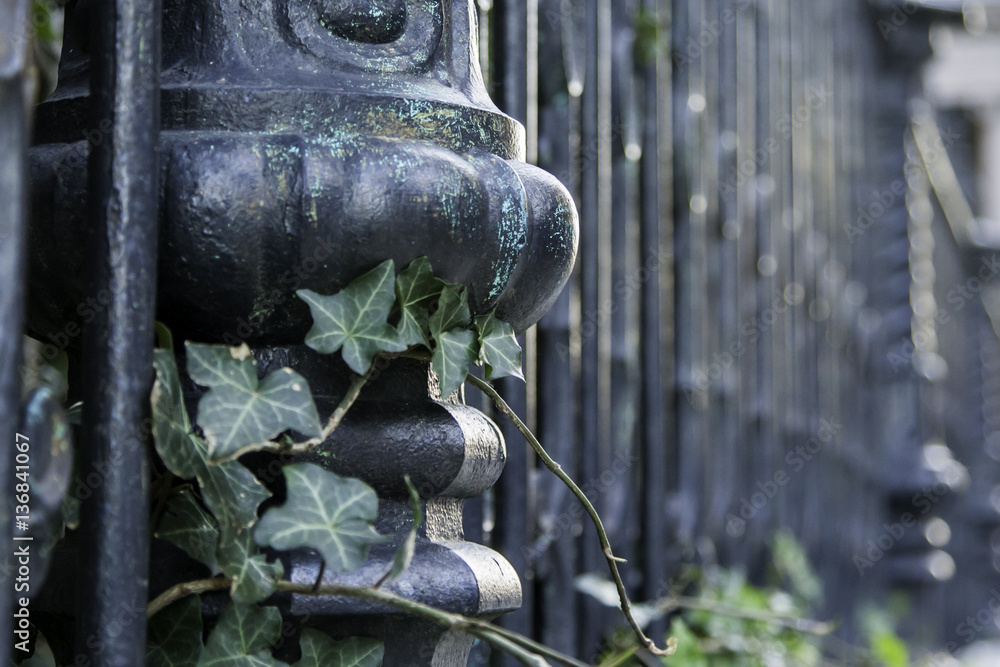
(455, 350)
(238, 410)
(253, 577)
(243, 637)
(498, 349)
(42, 656)
(232, 494)
(172, 434)
(230, 491)
(355, 318)
(452, 310)
(324, 511)
(174, 635)
(416, 289)
(164, 336)
(318, 650)
(187, 525)
(404, 555)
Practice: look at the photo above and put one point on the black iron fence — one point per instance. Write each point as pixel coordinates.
(737, 350)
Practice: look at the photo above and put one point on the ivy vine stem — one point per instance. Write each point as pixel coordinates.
(527, 651)
(556, 469)
(353, 392)
(179, 591)
(808, 626)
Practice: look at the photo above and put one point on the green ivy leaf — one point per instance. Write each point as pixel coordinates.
(172, 435)
(416, 289)
(454, 352)
(174, 635)
(187, 525)
(355, 319)
(243, 637)
(498, 349)
(231, 493)
(164, 336)
(253, 577)
(318, 650)
(238, 410)
(42, 656)
(452, 310)
(404, 554)
(324, 511)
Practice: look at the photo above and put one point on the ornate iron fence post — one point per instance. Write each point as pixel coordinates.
(303, 142)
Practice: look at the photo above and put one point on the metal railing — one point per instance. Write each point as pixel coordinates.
(742, 283)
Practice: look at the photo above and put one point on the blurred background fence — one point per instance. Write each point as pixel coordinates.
(783, 310)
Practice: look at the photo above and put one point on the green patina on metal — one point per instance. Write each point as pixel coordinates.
(274, 149)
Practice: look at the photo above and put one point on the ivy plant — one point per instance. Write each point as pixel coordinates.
(207, 503)
(721, 619)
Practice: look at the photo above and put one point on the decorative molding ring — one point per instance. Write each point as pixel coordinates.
(343, 32)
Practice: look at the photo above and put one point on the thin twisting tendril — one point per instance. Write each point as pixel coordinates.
(550, 463)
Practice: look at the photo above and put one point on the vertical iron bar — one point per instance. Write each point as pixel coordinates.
(762, 183)
(515, 89)
(590, 422)
(124, 185)
(554, 548)
(598, 128)
(616, 498)
(747, 128)
(720, 124)
(14, 204)
(657, 441)
(688, 394)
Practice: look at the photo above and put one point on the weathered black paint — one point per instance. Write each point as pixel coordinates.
(302, 143)
(240, 100)
(341, 153)
(118, 344)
